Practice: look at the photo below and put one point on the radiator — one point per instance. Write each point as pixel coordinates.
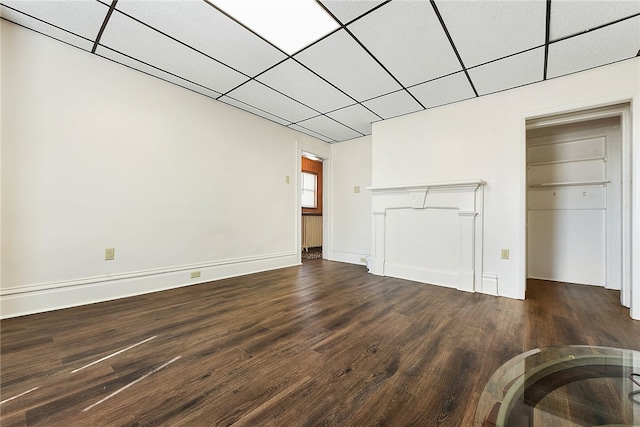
(311, 231)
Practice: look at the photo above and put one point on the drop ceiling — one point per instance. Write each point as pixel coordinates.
(385, 59)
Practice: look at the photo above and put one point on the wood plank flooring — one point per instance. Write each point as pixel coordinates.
(325, 343)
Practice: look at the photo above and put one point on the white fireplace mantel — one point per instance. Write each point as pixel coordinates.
(465, 242)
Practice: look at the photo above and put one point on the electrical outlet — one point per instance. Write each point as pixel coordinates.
(287, 179)
(356, 189)
(363, 259)
(195, 274)
(504, 254)
(109, 254)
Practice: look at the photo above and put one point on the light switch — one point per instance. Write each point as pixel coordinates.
(356, 189)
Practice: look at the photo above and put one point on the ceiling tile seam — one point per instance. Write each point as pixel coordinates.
(287, 96)
(334, 86)
(313, 131)
(599, 27)
(257, 108)
(44, 22)
(594, 67)
(152, 66)
(182, 43)
(158, 77)
(453, 45)
(383, 67)
(361, 16)
(330, 118)
(256, 76)
(547, 34)
(500, 59)
(360, 104)
(47, 35)
(104, 25)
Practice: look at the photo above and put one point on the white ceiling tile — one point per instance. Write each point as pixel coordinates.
(348, 10)
(409, 41)
(356, 117)
(510, 72)
(393, 104)
(81, 17)
(570, 17)
(260, 96)
(250, 109)
(49, 30)
(137, 65)
(311, 133)
(444, 90)
(485, 30)
(604, 46)
(296, 81)
(326, 126)
(340, 60)
(200, 25)
(127, 36)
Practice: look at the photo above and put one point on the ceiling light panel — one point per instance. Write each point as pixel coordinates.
(41, 27)
(445, 90)
(393, 104)
(326, 126)
(137, 65)
(127, 36)
(569, 17)
(251, 109)
(604, 46)
(201, 26)
(296, 81)
(347, 11)
(408, 39)
(264, 98)
(485, 30)
(356, 117)
(311, 133)
(510, 72)
(289, 24)
(342, 61)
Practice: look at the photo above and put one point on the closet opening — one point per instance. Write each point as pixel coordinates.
(577, 228)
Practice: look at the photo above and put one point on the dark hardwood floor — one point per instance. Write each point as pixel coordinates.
(321, 344)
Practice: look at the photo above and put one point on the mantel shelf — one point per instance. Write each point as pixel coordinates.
(418, 187)
(568, 184)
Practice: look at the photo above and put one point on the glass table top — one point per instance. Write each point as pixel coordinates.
(564, 386)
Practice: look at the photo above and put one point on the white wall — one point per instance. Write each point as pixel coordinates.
(484, 138)
(351, 212)
(95, 155)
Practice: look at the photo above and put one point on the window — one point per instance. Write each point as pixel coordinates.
(309, 190)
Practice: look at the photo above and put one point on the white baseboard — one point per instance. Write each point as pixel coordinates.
(449, 279)
(348, 257)
(20, 301)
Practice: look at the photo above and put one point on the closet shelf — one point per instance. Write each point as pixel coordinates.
(568, 184)
(553, 162)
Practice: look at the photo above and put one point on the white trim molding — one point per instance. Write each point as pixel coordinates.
(37, 298)
(465, 197)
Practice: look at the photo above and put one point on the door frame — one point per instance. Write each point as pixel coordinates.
(325, 156)
(623, 108)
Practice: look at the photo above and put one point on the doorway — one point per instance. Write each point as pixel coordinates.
(311, 189)
(575, 194)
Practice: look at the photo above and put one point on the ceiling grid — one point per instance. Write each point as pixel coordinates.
(383, 59)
